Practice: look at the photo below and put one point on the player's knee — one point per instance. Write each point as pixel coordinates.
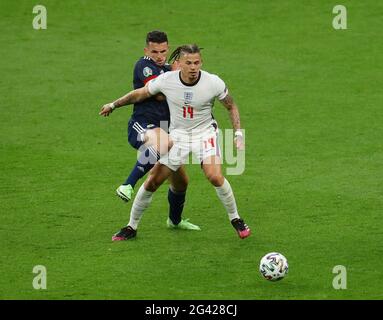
(152, 184)
(216, 180)
(180, 185)
(160, 140)
(164, 146)
(185, 182)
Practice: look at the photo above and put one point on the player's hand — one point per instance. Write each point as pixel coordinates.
(106, 110)
(239, 143)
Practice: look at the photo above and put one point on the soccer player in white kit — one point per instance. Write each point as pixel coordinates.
(190, 93)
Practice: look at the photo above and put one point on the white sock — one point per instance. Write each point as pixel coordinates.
(140, 203)
(225, 194)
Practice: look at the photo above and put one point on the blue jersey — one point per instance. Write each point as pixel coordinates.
(150, 110)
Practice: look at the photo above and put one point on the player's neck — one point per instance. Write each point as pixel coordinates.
(189, 81)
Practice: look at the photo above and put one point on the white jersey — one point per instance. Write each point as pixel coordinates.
(190, 105)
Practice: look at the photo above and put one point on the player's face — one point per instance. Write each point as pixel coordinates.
(158, 52)
(190, 65)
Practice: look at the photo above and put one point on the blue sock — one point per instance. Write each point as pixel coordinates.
(176, 205)
(145, 162)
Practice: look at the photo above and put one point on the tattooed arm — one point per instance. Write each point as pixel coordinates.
(230, 105)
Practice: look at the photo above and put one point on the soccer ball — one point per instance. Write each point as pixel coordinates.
(274, 266)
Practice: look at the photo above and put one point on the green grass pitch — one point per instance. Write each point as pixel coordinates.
(310, 99)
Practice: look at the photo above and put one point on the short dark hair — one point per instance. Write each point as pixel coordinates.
(182, 50)
(156, 36)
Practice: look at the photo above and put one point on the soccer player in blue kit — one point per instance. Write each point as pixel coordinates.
(147, 132)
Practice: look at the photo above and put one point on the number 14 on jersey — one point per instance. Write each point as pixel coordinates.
(188, 112)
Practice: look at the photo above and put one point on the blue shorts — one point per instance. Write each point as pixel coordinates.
(136, 130)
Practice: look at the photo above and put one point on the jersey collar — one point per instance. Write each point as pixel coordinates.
(148, 58)
(189, 84)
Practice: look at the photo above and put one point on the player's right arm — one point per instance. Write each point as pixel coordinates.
(132, 97)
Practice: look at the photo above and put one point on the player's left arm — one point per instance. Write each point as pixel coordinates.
(231, 106)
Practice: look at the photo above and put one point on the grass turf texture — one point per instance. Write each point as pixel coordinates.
(310, 99)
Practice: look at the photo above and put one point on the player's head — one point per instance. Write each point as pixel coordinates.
(157, 47)
(189, 61)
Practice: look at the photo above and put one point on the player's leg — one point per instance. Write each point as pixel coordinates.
(152, 143)
(144, 195)
(212, 168)
(142, 201)
(146, 161)
(158, 139)
(176, 196)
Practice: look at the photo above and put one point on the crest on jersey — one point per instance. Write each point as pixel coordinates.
(147, 72)
(188, 96)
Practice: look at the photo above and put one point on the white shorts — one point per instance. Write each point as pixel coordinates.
(202, 144)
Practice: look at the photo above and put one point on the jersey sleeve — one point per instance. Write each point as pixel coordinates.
(155, 86)
(221, 89)
(144, 72)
